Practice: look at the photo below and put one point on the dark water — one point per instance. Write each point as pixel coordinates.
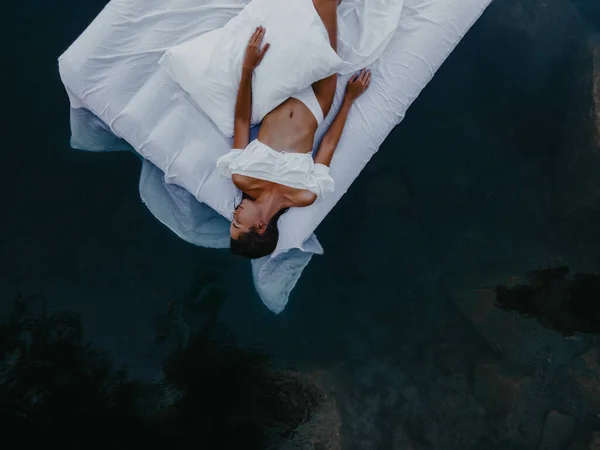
(457, 305)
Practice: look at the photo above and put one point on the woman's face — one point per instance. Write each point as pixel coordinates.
(246, 217)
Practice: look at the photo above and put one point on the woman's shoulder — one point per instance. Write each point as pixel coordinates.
(303, 197)
(244, 182)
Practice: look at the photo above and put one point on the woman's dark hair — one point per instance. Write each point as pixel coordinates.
(254, 245)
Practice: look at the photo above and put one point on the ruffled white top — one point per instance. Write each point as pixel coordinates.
(296, 170)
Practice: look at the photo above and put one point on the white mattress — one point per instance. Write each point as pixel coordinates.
(112, 71)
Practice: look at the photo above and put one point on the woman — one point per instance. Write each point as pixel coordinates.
(276, 171)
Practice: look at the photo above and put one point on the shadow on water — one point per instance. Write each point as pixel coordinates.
(58, 389)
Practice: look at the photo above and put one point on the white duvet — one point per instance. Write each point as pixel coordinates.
(112, 71)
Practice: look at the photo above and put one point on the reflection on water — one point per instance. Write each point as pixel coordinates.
(56, 387)
(441, 317)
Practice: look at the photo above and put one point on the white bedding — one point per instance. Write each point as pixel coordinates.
(112, 71)
(209, 67)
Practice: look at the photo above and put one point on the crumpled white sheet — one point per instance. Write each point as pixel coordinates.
(365, 28)
(111, 70)
(175, 207)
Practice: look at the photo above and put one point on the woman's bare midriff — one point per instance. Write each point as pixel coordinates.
(290, 128)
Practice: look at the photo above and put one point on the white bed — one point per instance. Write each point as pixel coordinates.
(112, 71)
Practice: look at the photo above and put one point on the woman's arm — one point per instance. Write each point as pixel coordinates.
(243, 111)
(356, 86)
(243, 105)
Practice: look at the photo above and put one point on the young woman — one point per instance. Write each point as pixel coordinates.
(276, 171)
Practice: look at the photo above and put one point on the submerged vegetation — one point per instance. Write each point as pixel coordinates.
(57, 388)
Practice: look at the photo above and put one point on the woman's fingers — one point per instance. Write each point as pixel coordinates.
(261, 35)
(264, 50)
(257, 36)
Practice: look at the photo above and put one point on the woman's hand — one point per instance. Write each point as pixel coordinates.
(254, 54)
(357, 85)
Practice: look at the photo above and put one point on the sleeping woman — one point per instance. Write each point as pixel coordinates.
(277, 171)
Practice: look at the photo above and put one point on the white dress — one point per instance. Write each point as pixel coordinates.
(296, 170)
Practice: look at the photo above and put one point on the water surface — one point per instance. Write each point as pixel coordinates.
(392, 340)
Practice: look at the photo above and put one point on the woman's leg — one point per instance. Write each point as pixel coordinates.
(325, 89)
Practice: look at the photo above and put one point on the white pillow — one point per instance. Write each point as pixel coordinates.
(209, 67)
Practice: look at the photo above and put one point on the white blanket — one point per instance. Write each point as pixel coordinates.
(112, 71)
